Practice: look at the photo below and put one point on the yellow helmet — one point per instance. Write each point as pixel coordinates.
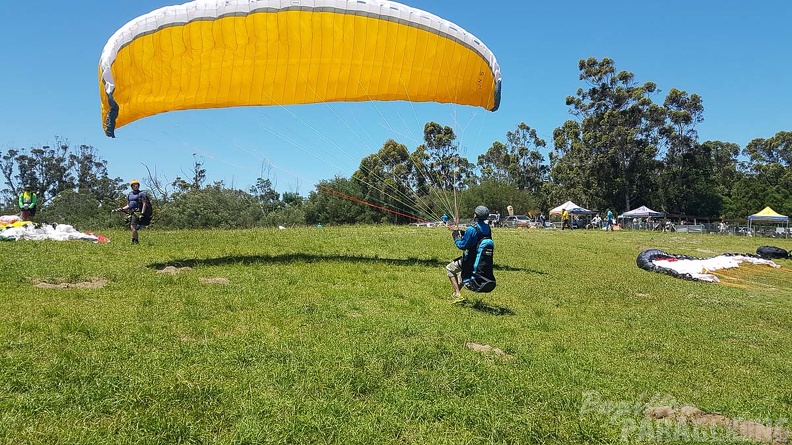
(134, 181)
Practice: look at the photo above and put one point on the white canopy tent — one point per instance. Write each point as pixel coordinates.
(571, 207)
(642, 212)
(638, 222)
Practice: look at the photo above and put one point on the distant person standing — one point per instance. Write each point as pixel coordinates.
(137, 207)
(27, 203)
(723, 227)
(565, 219)
(609, 221)
(595, 222)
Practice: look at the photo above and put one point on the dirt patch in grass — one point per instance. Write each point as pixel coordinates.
(488, 350)
(748, 429)
(214, 280)
(90, 283)
(173, 270)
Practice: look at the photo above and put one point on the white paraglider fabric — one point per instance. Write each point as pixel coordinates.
(59, 232)
(699, 268)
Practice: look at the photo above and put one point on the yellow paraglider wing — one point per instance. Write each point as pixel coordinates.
(210, 54)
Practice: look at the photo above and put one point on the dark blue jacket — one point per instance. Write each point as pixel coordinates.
(470, 239)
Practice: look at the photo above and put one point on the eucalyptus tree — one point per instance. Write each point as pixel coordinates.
(446, 169)
(571, 175)
(197, 177)
(529, 168)
(613, 145)
(53, 169)
(725, 173)
(768, 174)
(495, 164)
(46, 169)
(384, 180)
(685, 183)
(265, 195)
(518, 162)
(91, 176)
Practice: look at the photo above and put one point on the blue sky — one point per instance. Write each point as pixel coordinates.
(734, 54)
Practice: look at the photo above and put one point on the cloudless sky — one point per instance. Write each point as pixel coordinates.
(736, 55)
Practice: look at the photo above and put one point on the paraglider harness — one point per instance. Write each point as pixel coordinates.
(140, 218)
(144, 218)
(477, 265)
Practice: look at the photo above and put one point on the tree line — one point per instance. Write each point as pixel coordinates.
(622, 149)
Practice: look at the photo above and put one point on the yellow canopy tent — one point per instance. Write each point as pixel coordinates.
(769, 215)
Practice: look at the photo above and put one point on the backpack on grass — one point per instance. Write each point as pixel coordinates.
(477, 269)
(771, 252)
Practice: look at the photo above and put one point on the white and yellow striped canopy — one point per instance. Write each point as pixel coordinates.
(223, 53)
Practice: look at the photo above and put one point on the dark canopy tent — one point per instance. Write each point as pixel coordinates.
(642, 212)
(637, 216)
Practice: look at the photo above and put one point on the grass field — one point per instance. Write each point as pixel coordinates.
(346, 335)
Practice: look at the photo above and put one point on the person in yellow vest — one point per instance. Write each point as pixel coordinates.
(565, 220)
(27, 203)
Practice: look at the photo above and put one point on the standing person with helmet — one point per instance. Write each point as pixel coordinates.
(27, 203)
(137, 205)
(467, 242)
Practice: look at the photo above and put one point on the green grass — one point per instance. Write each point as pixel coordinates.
(346, 335)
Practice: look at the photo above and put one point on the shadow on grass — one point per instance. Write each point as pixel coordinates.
(487, 308)
(316, 258)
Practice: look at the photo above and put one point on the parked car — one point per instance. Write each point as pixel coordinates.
(516, 221)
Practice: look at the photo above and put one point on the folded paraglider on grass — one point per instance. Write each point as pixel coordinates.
(693, 268)
(12, 229)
